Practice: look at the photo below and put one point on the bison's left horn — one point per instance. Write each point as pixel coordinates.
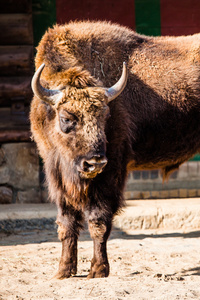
(49, 96)
(114, 91)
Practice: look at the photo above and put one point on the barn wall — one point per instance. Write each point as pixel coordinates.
(179, 17)
(112, 10)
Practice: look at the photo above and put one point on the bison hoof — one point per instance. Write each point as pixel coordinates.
(99, 271)
(66, 272)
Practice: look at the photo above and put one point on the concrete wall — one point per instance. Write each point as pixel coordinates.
(149, 185)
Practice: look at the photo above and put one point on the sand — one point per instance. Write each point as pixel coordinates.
(143, 265)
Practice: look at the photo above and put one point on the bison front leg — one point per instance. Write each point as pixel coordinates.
(99, 230)
(69, 224)
(68, 261)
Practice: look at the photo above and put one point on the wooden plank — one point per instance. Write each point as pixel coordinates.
(14, 135)
(16, 60)
(12, 87)
(16, 29)
(15, 6)
(10, 120)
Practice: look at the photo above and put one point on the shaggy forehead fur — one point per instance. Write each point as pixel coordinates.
(90, 98)
(90, 108)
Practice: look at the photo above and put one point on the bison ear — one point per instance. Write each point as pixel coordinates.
(49, 96)
(115, 90)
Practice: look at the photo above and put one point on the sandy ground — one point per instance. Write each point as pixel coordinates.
(144, 265)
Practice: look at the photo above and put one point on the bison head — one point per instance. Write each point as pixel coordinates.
(77, 129)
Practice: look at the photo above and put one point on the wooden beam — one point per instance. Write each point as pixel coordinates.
(12, 87)
(13, 120)
(13, 135)
(16, 60)
(16, 29)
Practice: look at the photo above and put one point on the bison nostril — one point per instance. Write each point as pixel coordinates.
(95, 164)
(88, 166)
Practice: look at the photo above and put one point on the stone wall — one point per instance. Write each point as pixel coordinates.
(183, 183)
(19, 173)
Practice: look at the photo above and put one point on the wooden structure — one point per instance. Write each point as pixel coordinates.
(16, 69)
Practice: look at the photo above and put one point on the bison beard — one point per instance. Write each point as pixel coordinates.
(154, 122)
(64, 181)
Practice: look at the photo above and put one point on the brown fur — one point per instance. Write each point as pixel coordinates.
(154, 123)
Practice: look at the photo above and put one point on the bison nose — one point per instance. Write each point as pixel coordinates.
(94, 164)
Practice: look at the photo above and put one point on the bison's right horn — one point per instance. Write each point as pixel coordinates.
(114, 91)
(49, 96)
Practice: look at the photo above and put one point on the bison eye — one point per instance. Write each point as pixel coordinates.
(65, 121)
(67, 125)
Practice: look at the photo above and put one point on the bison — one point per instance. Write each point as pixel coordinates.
(92, 126)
